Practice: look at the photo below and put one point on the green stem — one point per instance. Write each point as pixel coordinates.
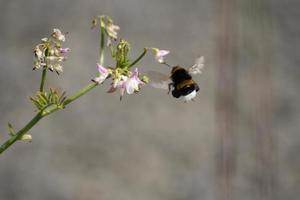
(138, 59)
(44, 73)
(20, 133)
(80, 93)
(101, 51)
(53, 108)
(42, 114)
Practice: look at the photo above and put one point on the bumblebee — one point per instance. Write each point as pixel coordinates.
(180, 82)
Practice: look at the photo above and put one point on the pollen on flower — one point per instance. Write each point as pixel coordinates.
(49, 53)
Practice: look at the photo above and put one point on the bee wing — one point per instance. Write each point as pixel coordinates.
(197, 67)
(158, 80)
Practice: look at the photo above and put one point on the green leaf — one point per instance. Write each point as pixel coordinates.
(11, 130)
(42, 100)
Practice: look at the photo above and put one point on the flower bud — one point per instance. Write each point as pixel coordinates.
(26, 138)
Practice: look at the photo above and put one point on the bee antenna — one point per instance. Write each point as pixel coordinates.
(167, 64)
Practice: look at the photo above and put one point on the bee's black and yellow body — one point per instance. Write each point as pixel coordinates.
(182, 82)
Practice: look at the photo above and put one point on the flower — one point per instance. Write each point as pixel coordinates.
(133, 83)
(104, 73)
(110, 28)
(57, 35)
(64, 50)
(119, 84)
(49, 53)
(39, 55)
(107, 24)
(160, 54)
(54, 63)
(125, 81)
(112, 31)
(38, 52)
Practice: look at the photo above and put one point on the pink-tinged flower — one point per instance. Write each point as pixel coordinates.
(104, 73)
(133, 83)
(120, 84)
(64, 50)
(124, 83)
(112, 31)
(160, 54)
(49, 53)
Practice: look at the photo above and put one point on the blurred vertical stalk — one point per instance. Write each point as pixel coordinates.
(43, 79)
(226, 98)
(257, 47)
(101, 45)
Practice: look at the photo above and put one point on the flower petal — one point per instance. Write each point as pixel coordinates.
(159, 54)
(58, 35)
(163, 52)
(112, 89)
(102, 69)
(132, 85)
(99, 79)
(64, 50)
(160, 59)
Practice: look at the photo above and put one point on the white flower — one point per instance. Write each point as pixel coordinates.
(54, 63)
(133, 83)
(124, 83)
(120, 84)
(38, 64)
(64, 50)
(104, 73)
(110, 28)
(112, 31)
(160, 54)
(49, 52)
(38, 53)
(44, 39)
(39, 57)
(58, 35)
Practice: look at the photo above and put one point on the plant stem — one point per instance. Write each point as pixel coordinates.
(42, 114)
(20, 133)
(80, 93)
(54, 108)
(101, 51)
(44, 73)
(138, 59)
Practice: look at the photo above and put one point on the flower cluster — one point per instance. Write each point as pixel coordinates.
(108, 26)
(49, 53)
(122, 79)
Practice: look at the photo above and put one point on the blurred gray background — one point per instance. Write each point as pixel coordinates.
(238, 140)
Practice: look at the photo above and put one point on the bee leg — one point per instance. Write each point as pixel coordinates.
(169, 87)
